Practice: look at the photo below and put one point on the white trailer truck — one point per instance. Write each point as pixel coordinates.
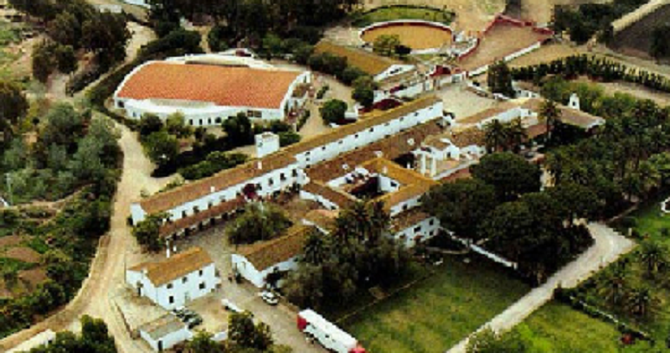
(329, 335)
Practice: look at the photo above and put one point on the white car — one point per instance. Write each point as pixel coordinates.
(269, 297)
(231, 306)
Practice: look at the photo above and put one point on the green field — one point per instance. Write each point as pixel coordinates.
(436, 313)
(392, 13)
(557, 327)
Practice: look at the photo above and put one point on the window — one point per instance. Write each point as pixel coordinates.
(210, 204)
(183, 214)
(402, 119)
(122, 105)
(184, 280)
(209, 121)
(282, 177)
(259, 186)
(169, 286)
(387, 124)
(295, 173)
(202, 285)
(323, 148)
(356, 136)
(417, 229)
(200, 273)
(171, 299)
(190, 122)
(196, 209)
(372, 129)
(270, 182)
(404, 207)
(341, 142)
(217, 120)
(432, 221)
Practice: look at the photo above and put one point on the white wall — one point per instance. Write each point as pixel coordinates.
(138, 3)
(405, 205)
(181, 292)
(168, 340)
(394, 70)
(247, 270)
(427, 229)
(320, 199)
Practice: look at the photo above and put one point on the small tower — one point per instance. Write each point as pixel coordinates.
(574, 102)
(266, 143)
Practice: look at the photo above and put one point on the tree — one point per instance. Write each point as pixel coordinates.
(239, 130)
(654, 257)
(66, 59)
(150, 123)
(500, 79)
(43, 62)
(487, 341)
(461, 206)
(94, 338)
(332, 112)
(641, 302)
(288, 138)
(364, 90)
(176, 125)
(614, 283)
(108, 42)
(495, 136)
(258, 222)
(316, 249)
(550, 114)
(65, 29)
(147, 232)
(245, 334)
(516, 134)
(13, 106)
(162, 148)
(575, 201)
(202, 343)
(660, 45)
(509, 174)
(386, 44)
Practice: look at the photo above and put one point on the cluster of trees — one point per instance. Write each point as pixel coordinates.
(590, 19)
(74, 25)
(499, 79)
(390, 45)
(332, 112)
(503, 210)
(72, 149)
(660, 45)
(147, 232)
(215, 162)
(94, 338)
(599, 69)
(244, 336)
(337, 66)
(260, 221)
(505, 136)
(251, 20)
(355, 256)
(627, 160)
(161, 140)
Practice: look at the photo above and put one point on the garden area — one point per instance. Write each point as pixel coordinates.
(391, 13)
(437, 312)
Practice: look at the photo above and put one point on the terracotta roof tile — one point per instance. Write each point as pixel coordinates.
(324, 219)
(265, 254)
(340, 198)
(170, 228)
(174, 267)
(408, 218)
(163, 326)
(467, 137)
(366, 61)
(220, 181)
(222, 85)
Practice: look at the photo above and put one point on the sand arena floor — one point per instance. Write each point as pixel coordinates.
(415, 36)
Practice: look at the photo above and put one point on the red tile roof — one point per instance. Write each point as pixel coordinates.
(177, 266)
(269, 253)
(222, 85)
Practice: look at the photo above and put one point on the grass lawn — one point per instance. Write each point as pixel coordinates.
(650, 220)
(436, 313)
(557, 327)
(402, 13)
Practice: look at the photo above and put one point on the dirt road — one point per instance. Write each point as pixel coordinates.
(106, 271)
(608, 246)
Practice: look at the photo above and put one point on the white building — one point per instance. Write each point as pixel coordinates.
(41, 339)
(175, 281)
(255, 262)
(283, 169)
(165, 332)
(207, 92)
(143, 3)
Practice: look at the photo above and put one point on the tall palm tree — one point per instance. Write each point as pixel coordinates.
(316, 248)
(550, 114)
(516, 134)
(650, 177)
(614, 284)
(495, 136)
(654, 256)
(641, 302)
(379, 220)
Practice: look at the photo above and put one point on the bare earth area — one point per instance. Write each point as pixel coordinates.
(608, 247)
(415, 37)
(635, 40)
(463, 103)
(541, 11)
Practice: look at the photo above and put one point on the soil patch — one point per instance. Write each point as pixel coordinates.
(34, 276)
(635, 40)
(415, 36)
(10, 240)
(23, 254)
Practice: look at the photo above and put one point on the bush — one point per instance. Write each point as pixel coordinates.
(628, 222)
(215, 162)
(322, 92)
(288, 138)
(303, 119)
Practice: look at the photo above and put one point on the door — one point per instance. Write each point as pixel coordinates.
(160, 346)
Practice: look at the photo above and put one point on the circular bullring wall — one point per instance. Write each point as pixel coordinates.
(421, 36)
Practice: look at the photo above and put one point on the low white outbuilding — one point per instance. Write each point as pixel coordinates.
(165, 332)
(175, 281)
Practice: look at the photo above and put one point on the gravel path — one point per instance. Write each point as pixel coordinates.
(106, 273)
(608, 246)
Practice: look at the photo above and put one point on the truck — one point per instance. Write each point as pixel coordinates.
(330, 336)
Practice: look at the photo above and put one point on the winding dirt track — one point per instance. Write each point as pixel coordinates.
(94, 297)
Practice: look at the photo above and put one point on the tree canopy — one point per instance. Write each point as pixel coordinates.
(509, 174)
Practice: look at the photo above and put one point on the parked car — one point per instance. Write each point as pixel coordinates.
(194, 321)
(269, 297)
(228, 305)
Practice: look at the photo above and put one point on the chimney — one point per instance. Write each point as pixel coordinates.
(212, 189)
(574, 102)
(260, 165)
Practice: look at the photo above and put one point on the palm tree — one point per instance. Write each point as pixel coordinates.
(516, 134)
(649, 177)
(379, 220)
(550, 114)
(614, 283)
(495, 136)
(641, 301)
(654, 256)
(316, 248)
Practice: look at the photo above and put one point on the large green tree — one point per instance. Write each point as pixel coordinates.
(332, 111)
(500, 79)
(511, 175)
(259, 221)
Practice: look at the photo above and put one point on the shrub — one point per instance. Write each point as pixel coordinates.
(322, 92)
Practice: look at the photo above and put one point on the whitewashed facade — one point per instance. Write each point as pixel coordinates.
(257, 276)
(165, 333)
